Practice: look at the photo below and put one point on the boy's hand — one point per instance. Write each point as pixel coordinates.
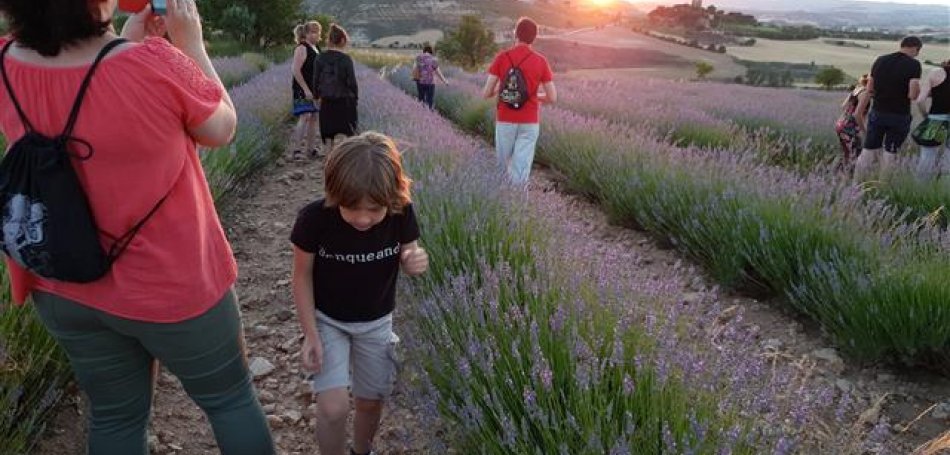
(414, 261)
(311, 354)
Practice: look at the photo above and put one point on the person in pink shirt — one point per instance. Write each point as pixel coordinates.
(169, 297)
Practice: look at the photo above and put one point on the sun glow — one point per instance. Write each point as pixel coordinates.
(602, 3)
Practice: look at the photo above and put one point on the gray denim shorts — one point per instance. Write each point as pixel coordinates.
(359, 355)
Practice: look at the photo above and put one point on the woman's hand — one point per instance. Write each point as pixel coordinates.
(143, 24)
(311, 354)
(307, 93)
(184, 26)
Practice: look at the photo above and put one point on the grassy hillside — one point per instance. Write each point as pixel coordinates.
(369, 20)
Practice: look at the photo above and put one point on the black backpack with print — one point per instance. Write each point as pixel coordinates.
(514, 86)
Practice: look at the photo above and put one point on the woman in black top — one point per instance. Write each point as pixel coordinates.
(936, 86)
(304, 88)
(336, 83)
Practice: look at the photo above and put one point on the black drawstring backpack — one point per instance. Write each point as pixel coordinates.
(47, 225)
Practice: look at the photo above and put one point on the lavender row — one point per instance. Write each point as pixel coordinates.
(871, 280)
(528, 352)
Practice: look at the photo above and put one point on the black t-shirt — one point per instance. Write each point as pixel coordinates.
(892, 74)
(354, 272)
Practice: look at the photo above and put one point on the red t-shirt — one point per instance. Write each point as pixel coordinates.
(135, 114)
(536, 72)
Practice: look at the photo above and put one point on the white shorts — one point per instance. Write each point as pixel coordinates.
(359, 355)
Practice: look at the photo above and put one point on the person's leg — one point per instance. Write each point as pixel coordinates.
(505, 134)
(333, 406)
(894, 137)
(311, 144)
(114, 370)
(330, 384)
(374, 373)
(525, 142)
(927, 162)
(429, 95)
(873, 144)
(207, 354)
(297, 138)
(420, 94)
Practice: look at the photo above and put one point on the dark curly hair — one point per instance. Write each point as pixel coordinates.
(47, 26)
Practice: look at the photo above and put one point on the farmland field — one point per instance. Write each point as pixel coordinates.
(855, 61)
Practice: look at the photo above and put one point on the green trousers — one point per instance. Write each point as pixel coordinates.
(113, 359)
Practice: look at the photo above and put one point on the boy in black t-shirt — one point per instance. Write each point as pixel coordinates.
(348, 249)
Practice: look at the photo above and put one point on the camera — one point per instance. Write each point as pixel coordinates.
(159, 7)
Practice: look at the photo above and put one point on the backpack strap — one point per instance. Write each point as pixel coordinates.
(6, 82)
(74, 113)
(118, 247)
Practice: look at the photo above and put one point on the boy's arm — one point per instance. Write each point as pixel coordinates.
(490, 90)
(303, 293)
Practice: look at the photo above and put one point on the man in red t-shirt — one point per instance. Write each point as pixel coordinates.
(516, 130)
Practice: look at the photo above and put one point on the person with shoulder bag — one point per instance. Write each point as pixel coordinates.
(304, 88)
(339, 92)
(150, 276)
(931, 133)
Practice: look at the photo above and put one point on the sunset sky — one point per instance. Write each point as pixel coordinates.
(918, 2)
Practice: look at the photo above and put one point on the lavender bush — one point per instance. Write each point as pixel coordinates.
(238, 69)
(854, 265)
(526, 352)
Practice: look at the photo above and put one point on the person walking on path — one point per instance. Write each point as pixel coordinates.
(168, 298)
(336, 84)
(304, 90)
(936, 86)
(894, 83)
(514, 77)
(348, 250)
(424, 70)
(851, 123)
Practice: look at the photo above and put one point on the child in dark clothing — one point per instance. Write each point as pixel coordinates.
(348, 250)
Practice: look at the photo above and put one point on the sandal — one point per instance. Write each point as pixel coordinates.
(297, 155)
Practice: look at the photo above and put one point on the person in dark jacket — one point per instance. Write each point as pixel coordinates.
(336, 83)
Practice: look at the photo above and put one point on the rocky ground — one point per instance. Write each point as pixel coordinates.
(915, 405)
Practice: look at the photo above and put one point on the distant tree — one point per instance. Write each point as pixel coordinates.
(274, 20)
(703, 69)
(468, 46)
(829, 77)
(238, 22)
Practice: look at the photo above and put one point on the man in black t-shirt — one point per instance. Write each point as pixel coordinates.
(895, 81)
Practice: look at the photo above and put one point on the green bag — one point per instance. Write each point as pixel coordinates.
(930, 132)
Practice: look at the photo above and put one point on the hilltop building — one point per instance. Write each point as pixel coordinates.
(697, 3)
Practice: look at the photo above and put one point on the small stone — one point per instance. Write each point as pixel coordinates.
(153, 443)
(692, 298)
(266, 396)
(260, 366)
(175, 447)
(280, 225)
(297, 175)
(293, 416)
(282, 283)
(830, 355)
(885, 377)
(844, 385)
(269, 408)
(285, 314)
(274, 421)
(773, 344)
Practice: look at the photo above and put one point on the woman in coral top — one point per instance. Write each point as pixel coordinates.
(168, 298)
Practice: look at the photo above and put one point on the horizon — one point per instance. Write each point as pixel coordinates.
(904, 2)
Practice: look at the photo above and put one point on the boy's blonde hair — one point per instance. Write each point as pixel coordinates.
(366, 167)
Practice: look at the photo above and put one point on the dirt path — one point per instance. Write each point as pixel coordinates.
(259, 228)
